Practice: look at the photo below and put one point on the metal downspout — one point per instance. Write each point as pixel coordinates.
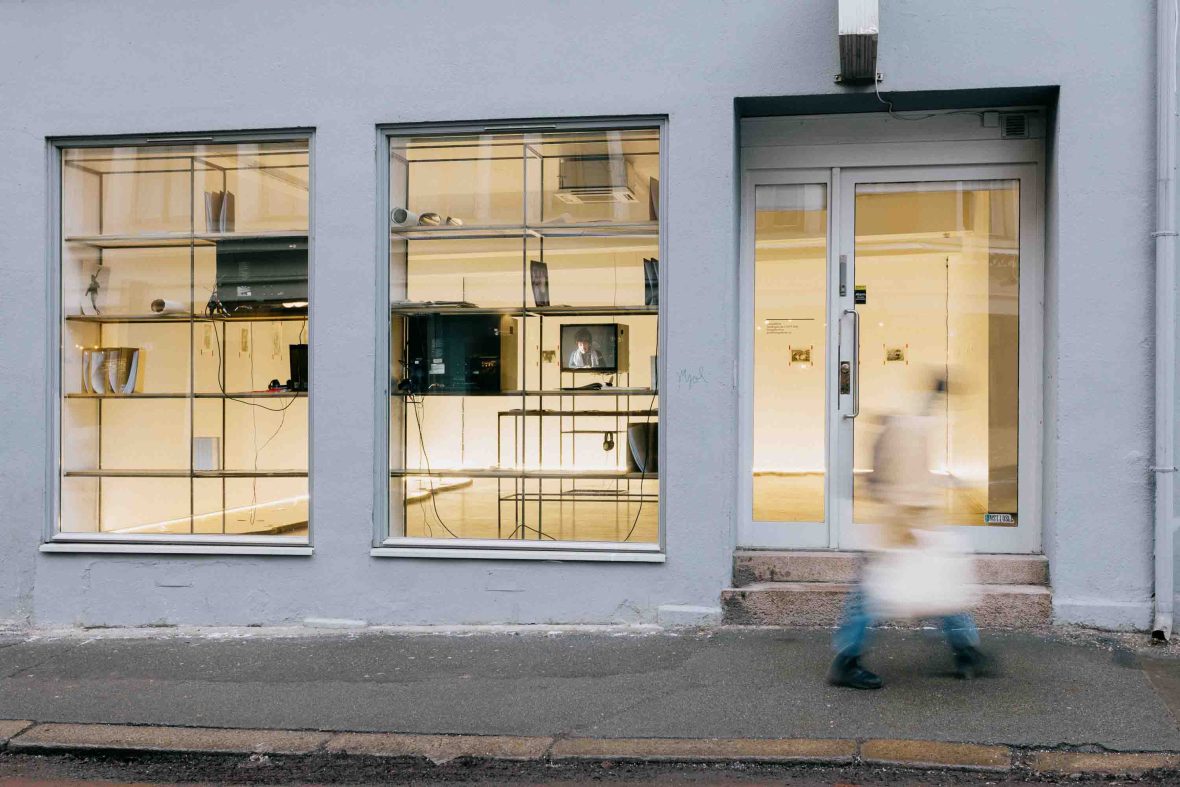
(1164, 471)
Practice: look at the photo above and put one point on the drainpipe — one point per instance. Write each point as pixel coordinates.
(1167, 25)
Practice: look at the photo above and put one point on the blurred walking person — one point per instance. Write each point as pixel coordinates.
(913, 571)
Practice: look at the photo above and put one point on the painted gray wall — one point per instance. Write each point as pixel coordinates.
(72, 67)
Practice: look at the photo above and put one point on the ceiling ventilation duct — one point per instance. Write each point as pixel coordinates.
(858, 42)
(594, 179)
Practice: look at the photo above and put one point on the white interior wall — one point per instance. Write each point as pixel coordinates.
(790, 313)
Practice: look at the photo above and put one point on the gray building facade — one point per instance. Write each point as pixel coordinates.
(706, 103)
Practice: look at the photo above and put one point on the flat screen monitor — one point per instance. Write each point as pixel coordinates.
(261, 276)
(460, 353)
(593, 348)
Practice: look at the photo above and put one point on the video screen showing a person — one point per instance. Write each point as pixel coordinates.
(589, 347)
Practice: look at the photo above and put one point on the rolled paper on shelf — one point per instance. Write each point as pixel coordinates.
(400, 217)
(164, 306)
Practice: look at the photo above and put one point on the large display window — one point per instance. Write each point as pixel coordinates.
(524, 337)
(184, 308)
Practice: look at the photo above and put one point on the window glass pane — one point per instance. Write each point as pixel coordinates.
(790, 352)
(524, 293)
(184, 302)
(940, 263)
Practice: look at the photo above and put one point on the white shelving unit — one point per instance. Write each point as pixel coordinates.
(112, 198)
(531, 438)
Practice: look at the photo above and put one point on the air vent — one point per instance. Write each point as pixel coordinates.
(594, 179)
(588, 195)
(1014, 125)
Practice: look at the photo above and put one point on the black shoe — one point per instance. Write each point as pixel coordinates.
(846, 671)
(969, 663)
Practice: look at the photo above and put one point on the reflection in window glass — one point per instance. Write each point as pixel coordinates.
(790, 352)
(184, 302)
(506, 251)
(941, 265)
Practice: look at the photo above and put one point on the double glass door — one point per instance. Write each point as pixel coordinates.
(889, 300)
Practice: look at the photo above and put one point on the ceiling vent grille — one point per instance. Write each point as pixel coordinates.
(594, 179)
(1014, 125)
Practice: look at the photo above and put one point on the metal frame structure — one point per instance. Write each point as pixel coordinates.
(386, 545)
(57, 541)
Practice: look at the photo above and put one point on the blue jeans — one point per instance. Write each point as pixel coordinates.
(851, 639)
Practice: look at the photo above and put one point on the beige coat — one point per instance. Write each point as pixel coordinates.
(902, 479)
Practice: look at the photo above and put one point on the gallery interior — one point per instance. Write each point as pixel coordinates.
(185, 321)
(524, 336)
(937, 299)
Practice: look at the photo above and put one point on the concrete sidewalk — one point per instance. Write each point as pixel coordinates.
(1044, 691)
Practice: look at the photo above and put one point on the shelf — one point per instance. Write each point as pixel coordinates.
(229, 395)
(408, 309)
(136, 455)
(611, 391)
(181, 318)
(591, 311)
(412, 308)
(164, 240)
(582, 496)
(572, 413)
(185, 474)
(509, 473)
(591, 229)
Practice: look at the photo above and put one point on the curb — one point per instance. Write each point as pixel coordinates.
(830, 751)
(19, 736)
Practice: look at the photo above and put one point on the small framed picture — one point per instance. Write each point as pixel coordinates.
(896, 354)
(800, 355)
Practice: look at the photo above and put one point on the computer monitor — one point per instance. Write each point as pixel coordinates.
(261, 276)
(598, 348)
(460, 353)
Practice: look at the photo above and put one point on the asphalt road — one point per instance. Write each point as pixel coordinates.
(25, 771)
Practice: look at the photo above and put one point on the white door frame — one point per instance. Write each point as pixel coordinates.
(821, 150)
(1025, 536)
(778, 535)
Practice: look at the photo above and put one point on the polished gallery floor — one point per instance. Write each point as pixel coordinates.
(799, 497)
(481, 510)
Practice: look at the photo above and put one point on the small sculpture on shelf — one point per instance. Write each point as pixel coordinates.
(92, 290)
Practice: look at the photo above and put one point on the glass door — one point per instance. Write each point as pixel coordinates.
(934, 428)
(787, 357)
(889, 354)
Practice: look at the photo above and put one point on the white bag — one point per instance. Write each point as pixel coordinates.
(934, 578)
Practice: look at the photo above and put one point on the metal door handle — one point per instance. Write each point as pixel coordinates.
(855, 362)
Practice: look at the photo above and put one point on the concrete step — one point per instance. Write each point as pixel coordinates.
(751, 566)
(820, 604)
